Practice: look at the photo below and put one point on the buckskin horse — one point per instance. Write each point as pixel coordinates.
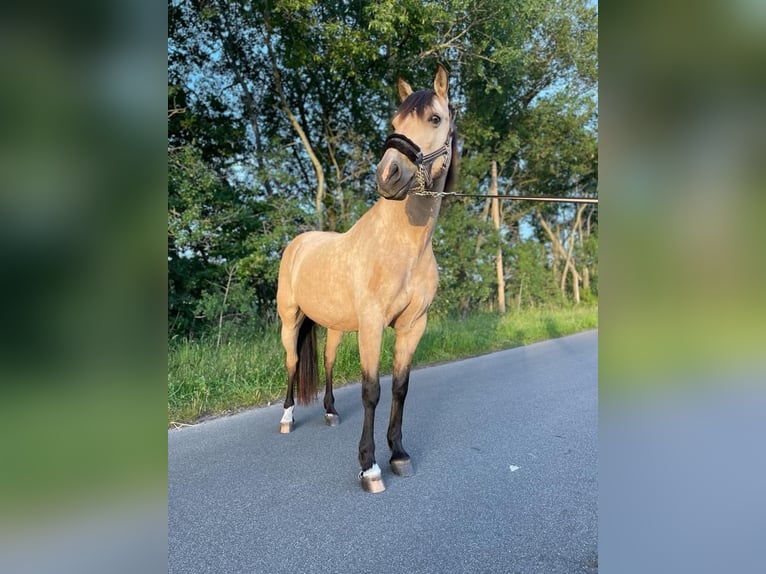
(381, 272)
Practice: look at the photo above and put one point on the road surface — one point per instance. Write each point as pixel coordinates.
(505, 454)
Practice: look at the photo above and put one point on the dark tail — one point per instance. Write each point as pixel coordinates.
(308, 366)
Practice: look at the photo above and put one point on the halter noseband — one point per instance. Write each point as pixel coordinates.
(424, 180)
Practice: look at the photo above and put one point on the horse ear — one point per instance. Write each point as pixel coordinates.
(404, 88)
(441, 81)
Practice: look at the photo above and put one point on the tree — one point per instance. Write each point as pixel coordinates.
(277, 110)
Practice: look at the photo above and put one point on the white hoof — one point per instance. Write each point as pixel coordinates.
(287, 422)
(372, 480)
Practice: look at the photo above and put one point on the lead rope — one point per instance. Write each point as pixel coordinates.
(544, 198)
(424, 182)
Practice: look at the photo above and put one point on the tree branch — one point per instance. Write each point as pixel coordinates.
(294, 121)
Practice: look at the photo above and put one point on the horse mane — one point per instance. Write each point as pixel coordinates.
(418, 102)
(451, 178)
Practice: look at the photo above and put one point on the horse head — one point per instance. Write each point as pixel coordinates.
(420, 154)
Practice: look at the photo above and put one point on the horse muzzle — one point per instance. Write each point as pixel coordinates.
(393, 177)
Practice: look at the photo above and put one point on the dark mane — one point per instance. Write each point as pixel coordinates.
(451, 179)
(417, 101)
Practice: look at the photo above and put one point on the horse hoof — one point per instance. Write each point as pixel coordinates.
(286, 422)
(372, 480)
(331, 420)
(402, 467)
(372, 485)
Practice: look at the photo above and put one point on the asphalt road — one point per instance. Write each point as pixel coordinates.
(505, 454)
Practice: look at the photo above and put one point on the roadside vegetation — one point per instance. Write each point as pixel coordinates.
(205, 379)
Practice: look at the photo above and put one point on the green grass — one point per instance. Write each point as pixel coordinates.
(249, 370)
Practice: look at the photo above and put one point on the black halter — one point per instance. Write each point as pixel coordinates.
(411, 151)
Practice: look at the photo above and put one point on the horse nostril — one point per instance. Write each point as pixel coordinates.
(393, 171)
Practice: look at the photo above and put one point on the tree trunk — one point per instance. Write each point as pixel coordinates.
(565, 255)
(575, 275)
(233, 55)
(484, 215)
(576, 287)
(329, 139)
(319, 198)
(499, 259)
(231, 271)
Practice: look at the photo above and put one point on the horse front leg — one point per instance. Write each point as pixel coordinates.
(331, 417)
(407, 339)
(370, 337)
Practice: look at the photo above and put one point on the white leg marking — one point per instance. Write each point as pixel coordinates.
(372, 472)
(287, 417)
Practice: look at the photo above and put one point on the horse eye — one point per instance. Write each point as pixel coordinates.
(436, 120)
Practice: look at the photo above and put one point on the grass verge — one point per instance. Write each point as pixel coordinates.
(249, 370)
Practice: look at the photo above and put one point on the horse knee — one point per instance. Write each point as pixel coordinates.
(400, 384)
(291, 362)
(370, 393)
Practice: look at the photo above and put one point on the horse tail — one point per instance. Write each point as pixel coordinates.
(308, 365)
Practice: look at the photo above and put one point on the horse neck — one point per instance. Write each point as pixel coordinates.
(413, 218)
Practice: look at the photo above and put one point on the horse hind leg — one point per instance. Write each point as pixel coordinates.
(290, 329)
(407, 340)
(331, 417)
(299, 340)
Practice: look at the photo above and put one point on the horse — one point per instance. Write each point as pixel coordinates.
(381, 272)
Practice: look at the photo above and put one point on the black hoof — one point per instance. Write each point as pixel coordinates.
(331, 420)
(372, 482)
(402, 467)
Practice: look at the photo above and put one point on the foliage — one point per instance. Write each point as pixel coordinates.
(466, 274)
(531, 283)
(276, 113)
